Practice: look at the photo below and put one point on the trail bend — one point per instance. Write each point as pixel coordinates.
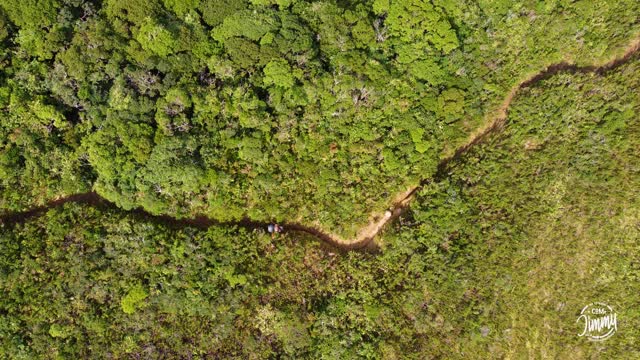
(496, 121)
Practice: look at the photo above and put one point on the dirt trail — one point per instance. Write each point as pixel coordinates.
(495, 122)
(364, 239)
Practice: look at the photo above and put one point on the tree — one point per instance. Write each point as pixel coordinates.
(278, 73)
(214, 12)
(31, 14)
(156, 38)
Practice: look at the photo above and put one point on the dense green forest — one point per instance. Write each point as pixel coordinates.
(494, 259)
(317, 113)
(259, 108)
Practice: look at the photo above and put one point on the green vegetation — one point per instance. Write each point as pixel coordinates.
(539, 222)
(260, 108)
(495, 258)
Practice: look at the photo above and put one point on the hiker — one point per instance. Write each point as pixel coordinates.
(273, 229)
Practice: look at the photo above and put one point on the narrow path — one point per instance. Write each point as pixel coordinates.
(497, 120)
(365, 237)
(202, 222)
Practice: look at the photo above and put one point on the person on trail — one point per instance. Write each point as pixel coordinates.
(273, 229)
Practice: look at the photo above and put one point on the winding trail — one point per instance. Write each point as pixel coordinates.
(365, 237)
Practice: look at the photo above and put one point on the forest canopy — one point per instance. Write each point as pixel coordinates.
(202, 121)
(493, 260)
(260, 108)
